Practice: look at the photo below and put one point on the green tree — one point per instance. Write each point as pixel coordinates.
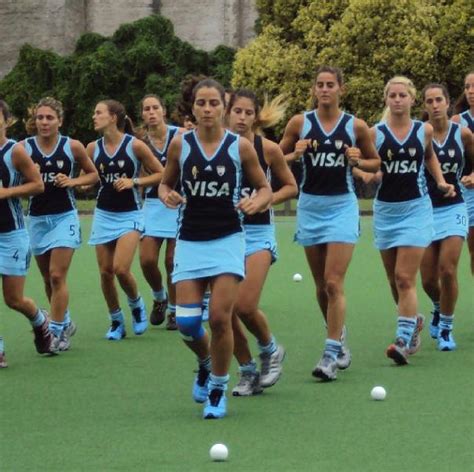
(139, 58)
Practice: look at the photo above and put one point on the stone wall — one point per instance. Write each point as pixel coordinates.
(56, 24)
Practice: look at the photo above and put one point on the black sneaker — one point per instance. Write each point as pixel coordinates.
(158, 312)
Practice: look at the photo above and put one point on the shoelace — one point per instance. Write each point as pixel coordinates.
(136, 314)
(215, 396)
(202, 376)
(115, 324)
(445, 334)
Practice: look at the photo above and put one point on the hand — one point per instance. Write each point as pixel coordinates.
(173, 199)
(62, 181)
(447, 189)
(123, 184)
(353, 154)
(301, 147)
(468, 181)
(249, 206)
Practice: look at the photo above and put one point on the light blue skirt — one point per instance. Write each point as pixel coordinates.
(160, 221)
(450, 220)
(109, 226)
(260, 238)
(327, 219)
(15, 253)
(52, 231)
(198, 259)
(468, 195)
(403, 223)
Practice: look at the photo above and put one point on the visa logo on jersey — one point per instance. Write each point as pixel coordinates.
(327, 159)
(401, 167)
(112, 177)
(247, 192)
(200, 188)
(48, 177)
(447, 168)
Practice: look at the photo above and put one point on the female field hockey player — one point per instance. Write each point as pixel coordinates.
(54, 226)
(453, 146)
(160, 222)
(118, 218)
(210, 246)
(19, 178)
(464, 109)
(246, 118)
(403, 216)
(330, 143)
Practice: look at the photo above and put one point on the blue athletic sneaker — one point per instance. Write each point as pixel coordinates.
(446, 341)
(139, 320)
(434, 328)
(216, 405)
(200, 385)
(116, 331)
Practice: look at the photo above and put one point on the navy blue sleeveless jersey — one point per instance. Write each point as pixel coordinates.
(451, 159)
(402, 163)
(325, 167)
(160, 154)
(11, 212)
(211, 187)
(264, 218)
(53, 200)
(122, 164)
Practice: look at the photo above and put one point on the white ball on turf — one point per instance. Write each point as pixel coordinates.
(297, 278)
(378, 393)
(219, 452)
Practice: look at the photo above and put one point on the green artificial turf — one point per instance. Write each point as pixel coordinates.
(127, 406)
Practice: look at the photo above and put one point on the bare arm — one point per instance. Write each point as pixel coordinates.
(292, 146)
(365, 156)
(151, 164)
(468, 141)
(166, 192)
(432, 164)
(88, 176)
(33, 185)
(276, 160)
(263, 197)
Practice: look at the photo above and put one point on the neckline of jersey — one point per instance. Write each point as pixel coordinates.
(405, 139)
(111, 156)
(47, 156)
(331, 132)
(201, 149)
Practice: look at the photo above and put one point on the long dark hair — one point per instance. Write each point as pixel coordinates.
(461, 103)
(124, 123)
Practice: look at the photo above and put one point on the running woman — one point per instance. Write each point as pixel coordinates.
(19, 178)
(453, 146)
(330, 142)
(54, 226)
(210, 246)
(161, 223)
(403, 216)
(464, 109)
(246, 118)
(118, 218)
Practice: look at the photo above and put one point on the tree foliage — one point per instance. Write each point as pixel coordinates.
(140, 58)
(371, 40)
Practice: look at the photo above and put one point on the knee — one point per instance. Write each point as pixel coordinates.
(146, 262)
(189, 322)
(334, 287)
(220, 322)
(403, 281)
(56, 278)
(121, 271)
(13, 301)
(447, 272)
(106, 274)
(245, 309)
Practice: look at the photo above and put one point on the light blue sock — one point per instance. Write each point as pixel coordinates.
(446, 322)
(249, 367)
(56, 327)
(135, 303)
(67, 318)
(219, 382)
(332, 348)
(117, 315)
(269, 348)
(2, 345)
(38, 320)
(159, 295)
(405, 328)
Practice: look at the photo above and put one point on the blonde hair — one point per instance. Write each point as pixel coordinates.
(50, 102)
(266, 116)
(399, 80)
(9, 119)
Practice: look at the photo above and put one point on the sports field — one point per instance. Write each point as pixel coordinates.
(127, 406)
